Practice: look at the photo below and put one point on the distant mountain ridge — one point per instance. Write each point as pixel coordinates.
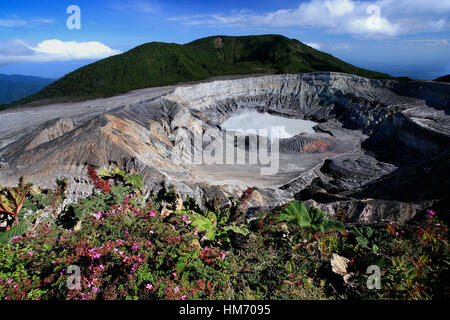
(158, 64)
(15, 87)
(443, 79)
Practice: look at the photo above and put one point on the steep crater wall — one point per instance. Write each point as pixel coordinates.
(369, 133)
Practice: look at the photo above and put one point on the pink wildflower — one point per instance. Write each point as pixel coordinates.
(98, 215)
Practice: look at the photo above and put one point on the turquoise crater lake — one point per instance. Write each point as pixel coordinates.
(265, 123)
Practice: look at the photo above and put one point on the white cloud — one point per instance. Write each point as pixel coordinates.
(53, 50)
(366, 18)
(329, 46)
(314, 45)
(428, 42)
(16, 22)
(12, 23)
(340, 46)
(339, 7)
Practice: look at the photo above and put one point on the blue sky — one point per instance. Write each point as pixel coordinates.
(400, 37)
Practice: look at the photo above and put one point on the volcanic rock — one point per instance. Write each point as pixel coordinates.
(380, 151)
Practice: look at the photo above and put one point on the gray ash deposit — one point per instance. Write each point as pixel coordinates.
(380, 149)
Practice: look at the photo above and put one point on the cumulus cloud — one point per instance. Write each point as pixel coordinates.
(367, 18)
(53, 50)
(314, 45)
(325, 46)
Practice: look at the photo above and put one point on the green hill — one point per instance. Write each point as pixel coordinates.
(15, 87)
(158, 64)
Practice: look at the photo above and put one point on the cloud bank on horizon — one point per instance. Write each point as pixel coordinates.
(364, 18)
(383, 35)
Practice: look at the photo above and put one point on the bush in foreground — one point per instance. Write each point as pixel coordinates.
(128, 247)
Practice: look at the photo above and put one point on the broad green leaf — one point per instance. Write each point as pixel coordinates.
(296, 213)
(238, 229)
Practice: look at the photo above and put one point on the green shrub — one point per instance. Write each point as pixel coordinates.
(311, 218)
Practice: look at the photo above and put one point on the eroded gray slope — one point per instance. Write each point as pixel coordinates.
(370, 133)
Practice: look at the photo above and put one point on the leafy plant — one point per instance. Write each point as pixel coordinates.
(13, 231)
(217, 229)
(123, 186)
(59, 195)
(76, 212)
(99, 183)
(369, 238)
(127, 180)
(129, 249)
(311, 218)
(12, 199)
(207, 224)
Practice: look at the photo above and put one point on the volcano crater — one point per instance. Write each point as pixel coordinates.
(379, 148)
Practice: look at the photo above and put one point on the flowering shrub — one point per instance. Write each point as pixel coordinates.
(102, 185)
(128, 247)
(413, 259)
(29, 204)
(124, 252)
